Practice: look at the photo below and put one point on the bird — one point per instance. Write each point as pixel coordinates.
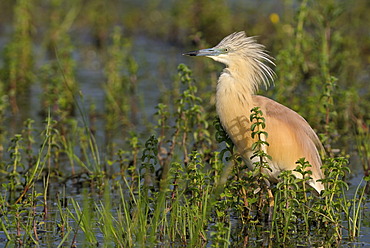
(290, 137)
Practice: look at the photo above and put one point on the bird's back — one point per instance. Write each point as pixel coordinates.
(290, 138)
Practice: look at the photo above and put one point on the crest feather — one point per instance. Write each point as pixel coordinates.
(254, 52)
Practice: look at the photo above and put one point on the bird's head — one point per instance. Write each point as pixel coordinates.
(239, 50)
(236, 45)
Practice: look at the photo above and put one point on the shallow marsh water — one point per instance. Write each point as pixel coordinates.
(157, 64)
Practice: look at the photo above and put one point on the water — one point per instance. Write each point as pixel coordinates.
(157, 61)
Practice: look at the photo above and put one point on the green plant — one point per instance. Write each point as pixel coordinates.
(17, 73)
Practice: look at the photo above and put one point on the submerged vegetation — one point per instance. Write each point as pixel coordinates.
(76, 171)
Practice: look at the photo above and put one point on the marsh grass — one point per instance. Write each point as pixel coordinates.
(181, 183)
(18, 55)
(201, 201)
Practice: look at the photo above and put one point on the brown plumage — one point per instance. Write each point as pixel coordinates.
(290, 137)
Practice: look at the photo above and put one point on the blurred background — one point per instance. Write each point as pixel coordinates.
(95, 97)
(118, 60)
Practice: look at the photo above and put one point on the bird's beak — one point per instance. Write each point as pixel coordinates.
(203, 52)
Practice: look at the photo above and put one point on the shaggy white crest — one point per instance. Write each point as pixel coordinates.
(239, 45)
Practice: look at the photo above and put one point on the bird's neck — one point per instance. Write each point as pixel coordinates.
(239, 82)
(234, 100)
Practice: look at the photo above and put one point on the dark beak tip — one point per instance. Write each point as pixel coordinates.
(190, 54)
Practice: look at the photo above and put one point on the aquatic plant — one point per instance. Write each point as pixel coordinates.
(85, 173)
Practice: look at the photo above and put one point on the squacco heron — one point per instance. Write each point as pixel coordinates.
(290, 137)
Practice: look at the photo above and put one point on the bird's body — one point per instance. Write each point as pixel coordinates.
(290, 137)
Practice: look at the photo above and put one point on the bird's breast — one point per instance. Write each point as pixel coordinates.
(233, 106)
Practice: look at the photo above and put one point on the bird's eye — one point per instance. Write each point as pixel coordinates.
(226, 49)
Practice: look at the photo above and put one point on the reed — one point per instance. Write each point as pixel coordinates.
(102, 174)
